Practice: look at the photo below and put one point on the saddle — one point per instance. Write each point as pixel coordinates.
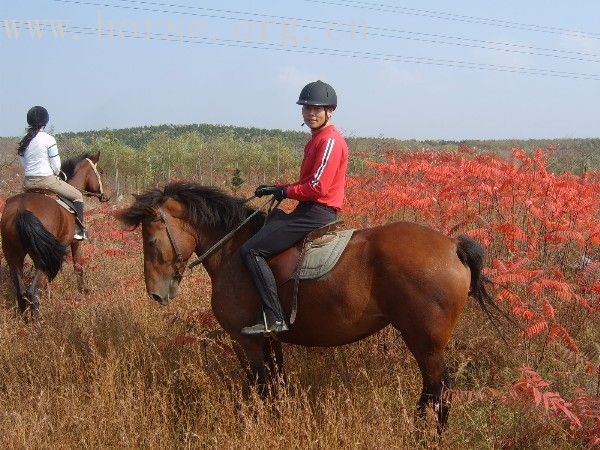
(287, 263)
(290, 264)
(64, 202)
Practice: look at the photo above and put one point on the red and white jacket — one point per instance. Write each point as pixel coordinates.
(323, 171)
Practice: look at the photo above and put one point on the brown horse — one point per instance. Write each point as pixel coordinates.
(35, 224)
(402, 274)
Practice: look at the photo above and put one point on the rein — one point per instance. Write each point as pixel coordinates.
(100, 195)
(271, 204)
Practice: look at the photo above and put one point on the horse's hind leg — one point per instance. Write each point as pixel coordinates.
(16, 274)
(32, 295)
(435, 380)
(428, 349)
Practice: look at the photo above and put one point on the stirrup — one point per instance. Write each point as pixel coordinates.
(80, 235)
(263, 327)
(259, 328)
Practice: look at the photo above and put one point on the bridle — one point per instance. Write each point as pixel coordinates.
(180, 259)
(101, 195)
(181, 265)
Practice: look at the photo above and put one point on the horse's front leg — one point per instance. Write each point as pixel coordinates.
(273, 355)
(250, 352)
(78, 267)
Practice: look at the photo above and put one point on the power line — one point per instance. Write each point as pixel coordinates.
(167, 37)
(380, 7)
(380, 31)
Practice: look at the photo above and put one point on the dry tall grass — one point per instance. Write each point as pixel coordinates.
(112, 369)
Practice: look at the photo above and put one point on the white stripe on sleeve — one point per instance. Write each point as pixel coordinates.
(321, 169)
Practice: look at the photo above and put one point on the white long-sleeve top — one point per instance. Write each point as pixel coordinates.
(41, 158)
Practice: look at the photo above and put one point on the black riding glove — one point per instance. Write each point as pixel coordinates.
(278, 192)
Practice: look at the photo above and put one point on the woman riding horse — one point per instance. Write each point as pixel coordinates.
(41, 164)
(35, 224)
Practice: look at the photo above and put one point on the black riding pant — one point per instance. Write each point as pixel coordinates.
(279, 233)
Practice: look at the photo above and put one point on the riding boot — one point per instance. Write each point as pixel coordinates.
(80, 229)
(271, 318)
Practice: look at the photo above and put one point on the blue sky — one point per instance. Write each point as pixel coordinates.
(160, 64)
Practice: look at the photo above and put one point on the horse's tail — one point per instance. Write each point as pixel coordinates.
(45, 250)
(472, 255)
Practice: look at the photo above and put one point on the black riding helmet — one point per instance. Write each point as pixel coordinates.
(318, 93)
(38, 117)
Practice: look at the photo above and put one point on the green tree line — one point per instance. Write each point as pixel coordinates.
(237, 157)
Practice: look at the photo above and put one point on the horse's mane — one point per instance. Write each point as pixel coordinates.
(204, 206)
(68, 166)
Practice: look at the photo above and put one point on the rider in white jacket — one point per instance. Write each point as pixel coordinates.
(41, 164)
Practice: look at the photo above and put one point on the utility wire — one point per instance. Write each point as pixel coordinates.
(380, 7)
(319, 51)
(331, 27)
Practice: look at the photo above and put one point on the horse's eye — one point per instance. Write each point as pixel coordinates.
(152, 242)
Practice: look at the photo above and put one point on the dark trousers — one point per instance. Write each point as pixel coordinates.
(279, 233)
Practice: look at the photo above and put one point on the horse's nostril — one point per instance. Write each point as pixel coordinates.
(156, 297)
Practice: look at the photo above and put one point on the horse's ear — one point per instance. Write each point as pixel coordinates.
(96, 157)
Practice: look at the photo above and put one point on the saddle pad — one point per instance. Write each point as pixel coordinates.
(320, 259)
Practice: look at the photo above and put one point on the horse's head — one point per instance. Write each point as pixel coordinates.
(83, 173)
(168, 243)
(176, 221)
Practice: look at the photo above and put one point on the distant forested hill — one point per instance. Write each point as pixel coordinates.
(139, 137)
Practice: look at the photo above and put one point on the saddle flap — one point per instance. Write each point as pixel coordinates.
(316, 234)
(323, 240)
(284, 264)
(43, 191)
(64, 202)
(67, 204)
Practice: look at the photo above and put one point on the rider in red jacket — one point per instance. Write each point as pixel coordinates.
(319, 191)
(323, 170)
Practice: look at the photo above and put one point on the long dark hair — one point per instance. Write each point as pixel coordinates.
(23, 143)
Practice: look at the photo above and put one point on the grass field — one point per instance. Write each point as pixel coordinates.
(113, 369)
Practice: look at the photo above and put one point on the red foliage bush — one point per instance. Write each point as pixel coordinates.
(541, 232)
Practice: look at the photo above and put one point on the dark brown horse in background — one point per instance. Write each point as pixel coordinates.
(35, 224)
(402, 274)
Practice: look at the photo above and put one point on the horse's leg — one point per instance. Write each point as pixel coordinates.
(78, 267)
(273, 355)
(435, 380)
(428, 349)
(32, 295)
(444, 410)
(250, 352)
(16, 274)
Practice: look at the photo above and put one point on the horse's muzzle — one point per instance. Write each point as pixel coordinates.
(158, 298)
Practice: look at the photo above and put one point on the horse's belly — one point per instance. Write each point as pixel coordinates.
(333, 315)
(328, 337)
